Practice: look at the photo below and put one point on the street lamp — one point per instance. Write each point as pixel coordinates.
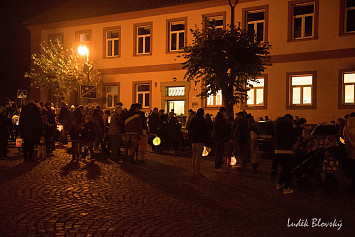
(83, 50)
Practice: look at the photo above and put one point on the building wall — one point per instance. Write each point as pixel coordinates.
(326, 54)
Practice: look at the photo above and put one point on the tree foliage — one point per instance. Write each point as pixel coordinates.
(60, 70)
(225, 60)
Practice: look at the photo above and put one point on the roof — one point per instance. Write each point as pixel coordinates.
(79, 9)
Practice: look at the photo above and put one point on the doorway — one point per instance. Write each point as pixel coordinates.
(177, 105)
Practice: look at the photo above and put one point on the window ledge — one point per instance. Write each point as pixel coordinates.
(174, 52)
(303, 39)
(140, 55)
(347, 33)
(346, 106)
(113, 57)
(301, 107)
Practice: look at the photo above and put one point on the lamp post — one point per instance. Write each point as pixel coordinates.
(83, 50)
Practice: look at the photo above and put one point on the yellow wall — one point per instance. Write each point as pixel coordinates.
(327, 68)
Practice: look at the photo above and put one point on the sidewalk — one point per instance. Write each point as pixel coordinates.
(55, 197)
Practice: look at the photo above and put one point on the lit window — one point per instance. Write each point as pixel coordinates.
(303, 21)
(112, 43)
(350, 16)
(256, 23)
(111, 96)
(301, 89)
(143, 94)
(216, 21)
(143, 40)
(175, 91)
(349, 87)
(215, 100)
(256, 93)
(176, 36)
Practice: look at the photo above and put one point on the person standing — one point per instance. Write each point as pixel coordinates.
(31, 127)
(285, 139)
(198, 131)
(241, 137)
(133, 129)
(115, 132)
(221, 134)
(349, 135)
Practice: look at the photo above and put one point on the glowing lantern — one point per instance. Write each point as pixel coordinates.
(109, 119)
(15, 120)
(233, 161)
(342, 140)
(19, 142)
(60, 127)
(206, 151)
(156, 141)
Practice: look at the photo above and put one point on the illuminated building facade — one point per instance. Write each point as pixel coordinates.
(136, 44)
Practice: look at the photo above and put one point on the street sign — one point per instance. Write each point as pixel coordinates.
(88, 91)
(21, 94)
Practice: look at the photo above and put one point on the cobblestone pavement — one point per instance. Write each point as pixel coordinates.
(55, 197)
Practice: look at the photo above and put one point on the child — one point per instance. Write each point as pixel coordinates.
(254, 150)
(88, 136)
(331, 162)
(42, 151)
(142, 144)
(75, 136)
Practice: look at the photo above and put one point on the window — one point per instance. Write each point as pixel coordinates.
(83, 37)
(177, 34)
(256, 93)
(216, 19)
(303, 20)
(175, 90)
(55, 37)
(256, 23)
(111, 96)
(215, 100)
(348, 87)
(347, 16)
(302, 89)
(112, 42)
(143, 95)
(143, 42)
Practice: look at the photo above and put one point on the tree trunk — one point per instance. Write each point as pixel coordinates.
(227, 96)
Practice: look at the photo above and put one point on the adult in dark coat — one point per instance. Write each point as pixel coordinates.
(221, 135)
(198, 131)
(285, 139)
(31, 128)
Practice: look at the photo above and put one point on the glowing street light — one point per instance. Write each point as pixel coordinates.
(83, 50)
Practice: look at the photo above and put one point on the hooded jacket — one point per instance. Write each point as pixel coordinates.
(349, 135)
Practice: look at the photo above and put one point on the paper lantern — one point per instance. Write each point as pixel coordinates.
(233, 161)
(206, 151)
(19, 142)
(60, 127)
(156, 141)
(15, 120)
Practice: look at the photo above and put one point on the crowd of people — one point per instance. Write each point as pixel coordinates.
(92, 130)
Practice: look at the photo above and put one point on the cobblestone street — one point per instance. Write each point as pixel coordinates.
(55, 197)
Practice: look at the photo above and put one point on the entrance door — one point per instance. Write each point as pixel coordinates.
(177, 105)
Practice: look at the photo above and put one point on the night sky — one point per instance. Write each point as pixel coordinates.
(15, 41)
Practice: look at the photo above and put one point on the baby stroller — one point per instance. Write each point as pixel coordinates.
(323, 159)
(308, 172)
